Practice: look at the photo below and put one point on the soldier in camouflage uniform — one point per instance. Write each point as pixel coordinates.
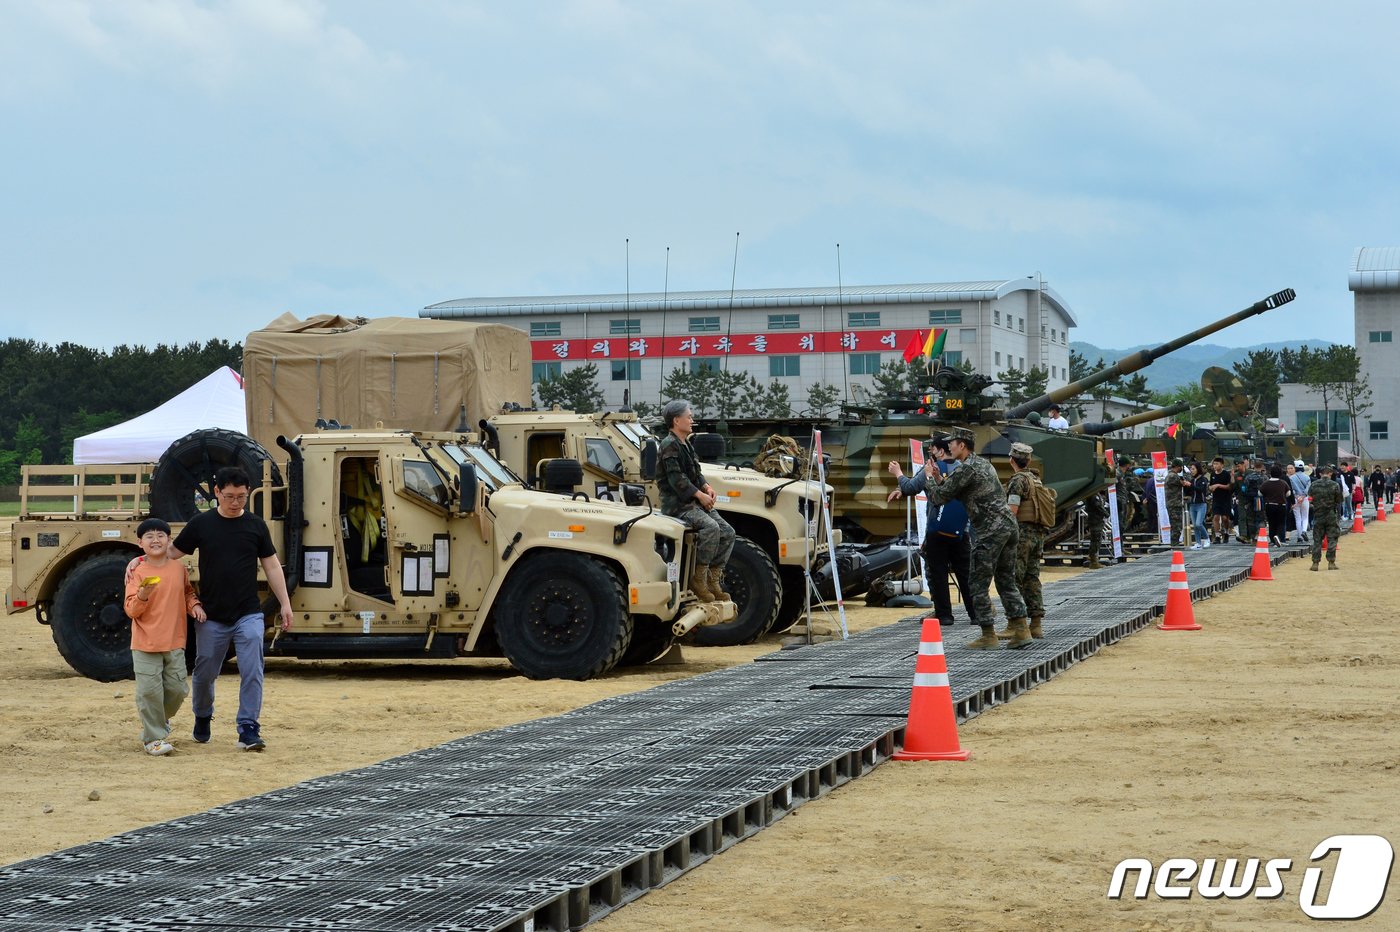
(1326, 495)
(1249, 508)
(1125, 498)
(1096, 513)
(686, 495)
(1030, 545)
(1176, 486)
(975, 484)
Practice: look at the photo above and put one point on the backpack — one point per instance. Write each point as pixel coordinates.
(1041, 502)
(781, 457)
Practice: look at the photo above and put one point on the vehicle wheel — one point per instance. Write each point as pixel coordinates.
(752, 579)
(651, 640)
(562, 615)
(793, 602)
(89, 626)
(188, 466)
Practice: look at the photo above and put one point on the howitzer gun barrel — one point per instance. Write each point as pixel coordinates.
(1132, 363)
(1142, 417)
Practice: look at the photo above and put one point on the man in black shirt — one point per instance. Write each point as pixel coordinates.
(232, 542)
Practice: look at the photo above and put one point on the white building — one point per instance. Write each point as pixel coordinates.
(1374, 280)
(797, 336)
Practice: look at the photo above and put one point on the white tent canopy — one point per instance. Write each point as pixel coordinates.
(214, 401)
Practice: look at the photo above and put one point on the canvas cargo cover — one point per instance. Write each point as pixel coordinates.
(403, 372)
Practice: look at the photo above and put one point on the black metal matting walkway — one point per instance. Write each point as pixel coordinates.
(553, 823)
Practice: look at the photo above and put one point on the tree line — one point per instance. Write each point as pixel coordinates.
(51, 395)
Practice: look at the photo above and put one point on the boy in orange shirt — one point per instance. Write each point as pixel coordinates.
(158, 597)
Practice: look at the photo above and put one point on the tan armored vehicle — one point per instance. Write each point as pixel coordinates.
(395, 543)
(776, 520)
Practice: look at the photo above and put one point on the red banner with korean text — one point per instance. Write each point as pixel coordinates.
(683, 346)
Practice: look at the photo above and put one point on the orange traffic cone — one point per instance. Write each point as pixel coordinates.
(1261, 568)
(1179, 615)
(1380, 511)
(932, 732)
(1357, 525)
(1395, 506)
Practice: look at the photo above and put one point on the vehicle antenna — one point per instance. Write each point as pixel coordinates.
(729, 332)
(627, 338)
(665, 294)
(841, 322)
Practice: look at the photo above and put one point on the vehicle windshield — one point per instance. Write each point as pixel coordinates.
(489, 469)
(635, 433)
(601, 454)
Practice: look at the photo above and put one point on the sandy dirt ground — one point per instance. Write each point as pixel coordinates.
(1259, 736)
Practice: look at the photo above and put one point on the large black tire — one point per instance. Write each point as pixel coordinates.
(188, 466)
(794, 599)
(752, 579)
(89, 626)
(564, 616)
(651, 640)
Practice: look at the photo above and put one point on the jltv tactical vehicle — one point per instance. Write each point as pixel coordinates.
(396, 544)
(776, 520)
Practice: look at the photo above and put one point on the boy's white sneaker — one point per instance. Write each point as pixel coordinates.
(159, 748)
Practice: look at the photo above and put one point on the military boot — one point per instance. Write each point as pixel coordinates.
(1037, 631)
(717, 583)
(700, 583)
(988, 640)
(1020, 634)
(1008, 632)
(1314, 566)
(1094, 563)
(1331, 564)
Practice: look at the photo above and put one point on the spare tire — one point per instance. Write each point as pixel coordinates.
(188, 466)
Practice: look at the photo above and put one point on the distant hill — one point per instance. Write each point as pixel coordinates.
(1186, 364)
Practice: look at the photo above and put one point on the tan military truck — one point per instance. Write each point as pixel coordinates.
(776, 520)
(395, 543)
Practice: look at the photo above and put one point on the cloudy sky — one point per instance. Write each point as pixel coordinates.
(175, 171)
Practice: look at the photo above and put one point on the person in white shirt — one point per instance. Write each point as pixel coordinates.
(1056, 421)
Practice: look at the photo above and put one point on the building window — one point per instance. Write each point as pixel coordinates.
(996, 358)
(784, 321)
(863, 319)
(624, 328)
(1021, 324)
(1053, 337)
(996, 318)
(544, 328)
(784, 365)
(940, 318)
(702, 363)
(967, 335)
(1337, 425)
(1022, 364)
(704, 325)
(545, 370)
(1380, 336)
(865, 363)
(1380, 430)
(953, 358)
(626, 369)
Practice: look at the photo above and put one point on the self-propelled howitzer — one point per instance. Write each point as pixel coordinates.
(1142, 358)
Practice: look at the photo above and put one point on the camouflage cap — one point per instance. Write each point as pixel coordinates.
(1177, 461)
(1021, 449)
(961, 433)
